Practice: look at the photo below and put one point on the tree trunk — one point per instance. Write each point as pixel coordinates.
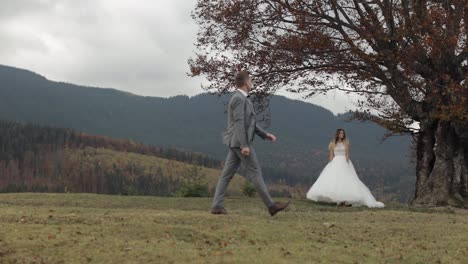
(442, 165)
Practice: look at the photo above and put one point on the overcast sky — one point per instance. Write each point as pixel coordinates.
(140, 46)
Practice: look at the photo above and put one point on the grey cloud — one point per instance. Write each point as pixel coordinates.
(15, 8)
(138, 46)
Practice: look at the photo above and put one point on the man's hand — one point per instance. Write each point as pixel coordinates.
(245, 151)
(271, 137)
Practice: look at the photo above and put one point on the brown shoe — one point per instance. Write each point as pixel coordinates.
(219, 211)
(277, 207)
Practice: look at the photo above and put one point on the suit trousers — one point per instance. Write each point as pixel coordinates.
(253, 173)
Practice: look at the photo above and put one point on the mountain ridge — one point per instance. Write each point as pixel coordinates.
(196, 123)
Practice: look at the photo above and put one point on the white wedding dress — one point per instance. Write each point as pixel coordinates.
(339, 182)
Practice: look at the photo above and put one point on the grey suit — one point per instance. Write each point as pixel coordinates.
(241, 129)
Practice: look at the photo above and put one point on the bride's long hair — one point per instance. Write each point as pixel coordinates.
(336, 138)
(337, 135)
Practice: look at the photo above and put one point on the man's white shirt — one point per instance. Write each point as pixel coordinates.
(243, 92)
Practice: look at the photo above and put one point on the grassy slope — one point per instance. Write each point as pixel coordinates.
(170, 168)
(81, 228)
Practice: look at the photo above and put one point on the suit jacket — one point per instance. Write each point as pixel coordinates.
(242, 124)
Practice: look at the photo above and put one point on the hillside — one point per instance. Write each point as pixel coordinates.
(45, 159)
(87, 228)
(196, 123)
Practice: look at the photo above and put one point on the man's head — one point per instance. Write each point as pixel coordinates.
(243, 81)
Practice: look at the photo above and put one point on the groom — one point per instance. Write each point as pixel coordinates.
(240, 133)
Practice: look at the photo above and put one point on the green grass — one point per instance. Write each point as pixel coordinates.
(87, 228)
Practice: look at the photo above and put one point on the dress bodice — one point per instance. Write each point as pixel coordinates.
(340, 149)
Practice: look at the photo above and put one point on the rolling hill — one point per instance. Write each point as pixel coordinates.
(46, 159)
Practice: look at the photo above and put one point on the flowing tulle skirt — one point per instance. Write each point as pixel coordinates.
(338, 183)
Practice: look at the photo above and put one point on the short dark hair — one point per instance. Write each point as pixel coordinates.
(241, 78)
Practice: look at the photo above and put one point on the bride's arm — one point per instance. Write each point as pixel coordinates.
(332, 154)
(347, 151)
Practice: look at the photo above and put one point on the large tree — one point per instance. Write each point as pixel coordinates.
(407, 59)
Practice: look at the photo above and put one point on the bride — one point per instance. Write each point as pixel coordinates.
(338, 182)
